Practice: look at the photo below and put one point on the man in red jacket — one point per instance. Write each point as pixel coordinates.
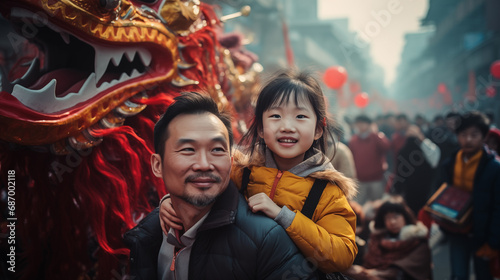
(369, 148)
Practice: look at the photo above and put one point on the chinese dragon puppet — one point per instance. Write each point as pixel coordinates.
(80, 94)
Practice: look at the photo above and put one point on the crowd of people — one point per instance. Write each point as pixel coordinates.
(395, 159)
(293, 200)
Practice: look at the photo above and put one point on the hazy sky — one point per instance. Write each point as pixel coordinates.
(382, 22)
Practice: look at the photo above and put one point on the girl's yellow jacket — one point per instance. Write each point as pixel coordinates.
(328, 240)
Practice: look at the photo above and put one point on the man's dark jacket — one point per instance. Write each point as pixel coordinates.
(232, 243)
(485, 199)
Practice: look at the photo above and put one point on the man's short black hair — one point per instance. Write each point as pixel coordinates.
(188, 103)
(388, 116)
(363, 119)
(473, 119)
(452, 115)
(401, 117)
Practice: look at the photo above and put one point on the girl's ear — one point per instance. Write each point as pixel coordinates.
(260, 132)
(318, 133)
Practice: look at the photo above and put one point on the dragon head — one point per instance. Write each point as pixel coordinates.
(94, 59)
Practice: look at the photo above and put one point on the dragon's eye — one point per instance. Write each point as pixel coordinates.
(109, 4)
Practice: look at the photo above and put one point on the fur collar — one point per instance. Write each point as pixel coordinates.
(347, 185)
(408, 232)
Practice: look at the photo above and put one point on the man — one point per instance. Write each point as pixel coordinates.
(398, 138)
(222, 238)
(477, 171)
(443, 134)
(369, 148)
(415, 169)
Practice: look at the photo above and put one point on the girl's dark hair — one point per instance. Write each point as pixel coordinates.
(281, 87)
(394, 204)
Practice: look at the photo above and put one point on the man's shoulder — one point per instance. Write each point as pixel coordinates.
(255, 225)
(149, 227)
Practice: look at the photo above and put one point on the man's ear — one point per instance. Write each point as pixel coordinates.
(156, 165)
(318, 133)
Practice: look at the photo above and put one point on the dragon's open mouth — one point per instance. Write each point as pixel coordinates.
(72, 70)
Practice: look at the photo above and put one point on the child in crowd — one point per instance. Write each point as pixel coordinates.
(285, 154)
(397, 247)
(476, 170)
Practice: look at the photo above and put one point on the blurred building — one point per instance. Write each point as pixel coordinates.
(316, 44)
(458, 56)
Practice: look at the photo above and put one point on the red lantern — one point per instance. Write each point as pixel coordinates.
(335, 77)
(491, 92)
(361, 100)
(495, 69)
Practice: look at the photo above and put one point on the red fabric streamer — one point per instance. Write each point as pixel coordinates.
(288, 46)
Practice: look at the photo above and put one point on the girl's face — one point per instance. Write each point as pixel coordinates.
(394, 222)
(289, 131)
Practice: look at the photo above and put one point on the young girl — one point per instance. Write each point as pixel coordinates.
(286, 146)
(397, 247)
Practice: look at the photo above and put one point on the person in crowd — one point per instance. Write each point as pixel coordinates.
(342, 159)
(389, 124)
(415, 169)
(422, 123)
(397, 247)
(474, 169)
(438, 121)
(221, 238)
(398, 138)
(339, 153)
(369, 148)
(493, 140)
(284, 158)
(491, 118)
(443, 135)
(388, 128)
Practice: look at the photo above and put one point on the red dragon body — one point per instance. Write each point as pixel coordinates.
(77, 110)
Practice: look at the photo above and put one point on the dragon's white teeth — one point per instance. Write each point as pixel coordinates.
(65, 37)
(40, 100)
(129, 54)
(104, 55)
(87, 88)
(145, 56)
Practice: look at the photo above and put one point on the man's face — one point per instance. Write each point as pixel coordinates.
(391, 121)
(362, 127)
(470, 140)
(197, 159)
(452, 123)
(401, 124)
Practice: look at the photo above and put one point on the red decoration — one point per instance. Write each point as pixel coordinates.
(442, 88)
(491, 91)
(361, 100)
(495, 69)
(335, 77)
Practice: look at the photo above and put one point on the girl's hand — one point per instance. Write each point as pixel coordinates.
(168, 217)
(262, 202)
